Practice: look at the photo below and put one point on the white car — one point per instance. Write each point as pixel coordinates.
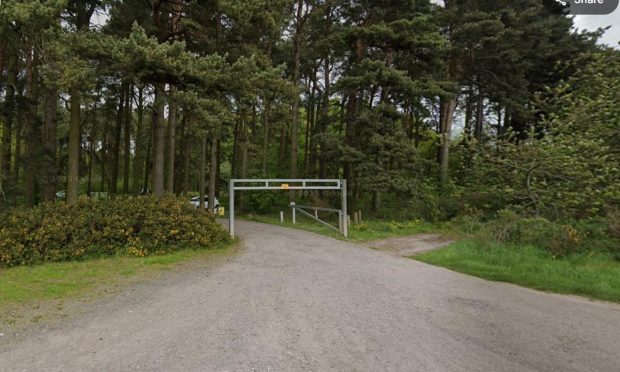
(196, 203)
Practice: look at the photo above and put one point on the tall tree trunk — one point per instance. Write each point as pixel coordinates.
(104, 150)
(218, 174)
(186, 158)
(295, 77)
(201, 171)
(235, 153)
(158, 140)
(266, 130)
(116, 154)
(92, 138)
(127, 138)
(283, 147)
(479, 117)
(172, 123)
(469, 110)
(500, 127)
(84, 12)
(350, 130)
(50, 171)
(33, 130)
(91, 159)
(147, 162)
(138, 159)
(73, 149)
(324, 120)
(213, 168)
(447, 107)
(244, 139)
(310, 126)
(18, 148)
(8, 115)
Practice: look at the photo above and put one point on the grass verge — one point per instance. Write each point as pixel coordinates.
(365, 231)
(595, 275)
(31, 293)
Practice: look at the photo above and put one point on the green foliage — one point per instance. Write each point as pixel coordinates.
(558, 239)
(509, 227)
(138, 226)
(260, 201)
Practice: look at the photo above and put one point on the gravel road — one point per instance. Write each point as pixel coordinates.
(293, 300)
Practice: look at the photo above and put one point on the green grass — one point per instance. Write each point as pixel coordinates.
(365, 231)
(24, 285)
(595, 275)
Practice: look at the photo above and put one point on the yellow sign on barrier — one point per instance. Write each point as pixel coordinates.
(284, 186)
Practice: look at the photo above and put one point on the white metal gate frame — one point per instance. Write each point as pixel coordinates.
(287, 184)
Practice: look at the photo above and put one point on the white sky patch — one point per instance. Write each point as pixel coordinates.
(593, 22)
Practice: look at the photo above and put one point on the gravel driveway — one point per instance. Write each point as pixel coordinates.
(293, 300)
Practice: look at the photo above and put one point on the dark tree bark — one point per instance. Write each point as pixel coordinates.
(92, 138)
(73, 161)
(202, 170)
(33, 128)
(18, 148)
(218, 175)
(186, 155)
(172, 123)
(158, 140)
(266, 131)
(113, 187)
(139, 140)
(127, 138)
(479, 117)
(8, 114)
(104, 149)
(469, 111)
(83, 12)
(213, 168)
(295, 77)
(49, 169)
(447, 107)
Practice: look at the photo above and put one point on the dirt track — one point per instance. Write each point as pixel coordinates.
(294, 300)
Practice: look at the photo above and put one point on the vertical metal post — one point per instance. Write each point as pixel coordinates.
(231, 208)
(293, 211)
(340, 221)
(345, 227)
(281, 217)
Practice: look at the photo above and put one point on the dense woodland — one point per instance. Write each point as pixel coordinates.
(428, 110)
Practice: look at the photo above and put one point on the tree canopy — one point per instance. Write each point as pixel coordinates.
(441, 108)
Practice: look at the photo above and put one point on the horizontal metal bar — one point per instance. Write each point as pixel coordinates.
(263, 180)
(287, 188)
(318, 219)
(315, 208)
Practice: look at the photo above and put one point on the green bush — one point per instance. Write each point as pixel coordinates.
(260, 201)
(138, 226)
(509, 227)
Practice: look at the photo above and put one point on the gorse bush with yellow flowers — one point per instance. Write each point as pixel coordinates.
(137, 226)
